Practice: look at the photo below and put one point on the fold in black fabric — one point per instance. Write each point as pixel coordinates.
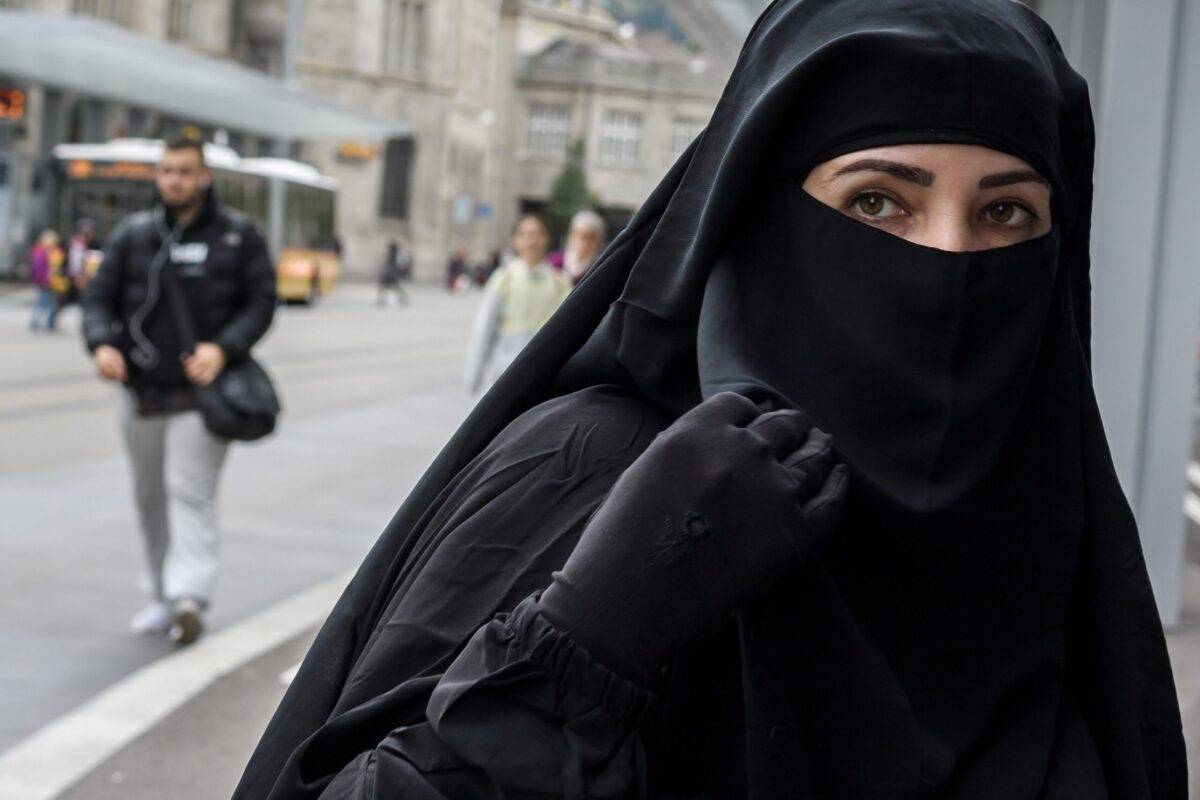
(981, 625)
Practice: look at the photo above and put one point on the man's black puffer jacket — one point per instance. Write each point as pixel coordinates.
(226, 274)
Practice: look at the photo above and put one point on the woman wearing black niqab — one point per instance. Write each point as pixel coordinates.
(976, 623)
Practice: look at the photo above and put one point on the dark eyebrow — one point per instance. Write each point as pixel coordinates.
(905, 172)
(1011, 177)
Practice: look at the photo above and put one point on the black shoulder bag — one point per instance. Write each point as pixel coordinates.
(241, 402)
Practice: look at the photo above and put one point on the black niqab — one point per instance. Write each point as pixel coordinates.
(944, 378)
(981, 624)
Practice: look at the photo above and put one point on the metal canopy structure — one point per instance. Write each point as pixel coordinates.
(100, 59)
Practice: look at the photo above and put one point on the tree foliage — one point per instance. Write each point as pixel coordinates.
(569, 193)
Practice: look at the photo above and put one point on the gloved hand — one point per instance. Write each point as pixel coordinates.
(720, 506)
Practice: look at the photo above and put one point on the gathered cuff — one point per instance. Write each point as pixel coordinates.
(530, 707)
(583, 682)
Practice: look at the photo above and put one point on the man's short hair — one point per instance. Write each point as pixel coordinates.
(185, 143)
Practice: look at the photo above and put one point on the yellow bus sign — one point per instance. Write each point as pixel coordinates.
(357, 151)
(80, 169)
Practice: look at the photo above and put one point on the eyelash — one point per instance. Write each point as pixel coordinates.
(852, 205)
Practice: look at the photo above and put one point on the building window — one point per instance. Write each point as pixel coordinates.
(404, 36)
(179, 19)
(397, 178)
(621, 137)
(683, 131)
(112, 10)
(549, 126)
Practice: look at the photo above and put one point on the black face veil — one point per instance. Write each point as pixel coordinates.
(984, 607)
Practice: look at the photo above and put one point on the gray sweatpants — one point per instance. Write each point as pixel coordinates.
(176, 465)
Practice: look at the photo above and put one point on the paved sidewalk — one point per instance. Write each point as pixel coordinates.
(197, 752)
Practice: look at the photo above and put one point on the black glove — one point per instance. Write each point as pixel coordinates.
(720, 506)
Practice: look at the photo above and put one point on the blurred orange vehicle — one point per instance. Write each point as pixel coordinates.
(292, 203)
(300, 222)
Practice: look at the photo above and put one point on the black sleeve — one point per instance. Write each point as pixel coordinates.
(258, 299)
(522, 712)
(417, 684)
(101, 297)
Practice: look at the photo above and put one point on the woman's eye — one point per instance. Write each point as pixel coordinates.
(1009, 214)
(874, 204)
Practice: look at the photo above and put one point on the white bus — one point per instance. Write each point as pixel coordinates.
(292, 203)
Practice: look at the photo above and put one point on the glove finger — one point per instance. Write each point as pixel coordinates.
(810, 464)
(823, 510)
(729, 408)
(783, 430)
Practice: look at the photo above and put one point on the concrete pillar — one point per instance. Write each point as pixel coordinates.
(292, 26)
(52, 131)
(1146, 288)
(276, 216)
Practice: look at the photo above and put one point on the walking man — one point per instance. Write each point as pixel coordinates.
(226, 278)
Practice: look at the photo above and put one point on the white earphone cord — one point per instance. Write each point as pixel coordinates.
(144, 354)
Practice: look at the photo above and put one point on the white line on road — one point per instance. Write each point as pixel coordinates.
(60, 754)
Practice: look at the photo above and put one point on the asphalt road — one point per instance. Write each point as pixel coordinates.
(370, 395)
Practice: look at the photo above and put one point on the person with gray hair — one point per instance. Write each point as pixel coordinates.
(585, 239)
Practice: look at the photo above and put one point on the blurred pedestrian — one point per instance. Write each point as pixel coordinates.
(456, 270)
(397, 263)
(517, 301)
(79, 248)
(585, 239)
(226, 285)
(45, 267)
(483, 270)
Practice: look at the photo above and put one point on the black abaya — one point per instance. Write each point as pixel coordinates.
(980, 625)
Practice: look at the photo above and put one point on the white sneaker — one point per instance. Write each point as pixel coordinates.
(153, 620)
(187, 622)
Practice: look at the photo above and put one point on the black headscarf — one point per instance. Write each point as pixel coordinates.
(981, 624)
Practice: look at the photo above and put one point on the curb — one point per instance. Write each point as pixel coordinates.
(64, 751)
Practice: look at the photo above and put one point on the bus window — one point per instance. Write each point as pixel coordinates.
(246, 193)
(323, 201)
(293, 213)
(229, 189)
(309, 217)
(106, 202)
(256, 200)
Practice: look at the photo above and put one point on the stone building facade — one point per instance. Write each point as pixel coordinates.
(494, 92)
(634, 113)
(434, 64)
(202, 24)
